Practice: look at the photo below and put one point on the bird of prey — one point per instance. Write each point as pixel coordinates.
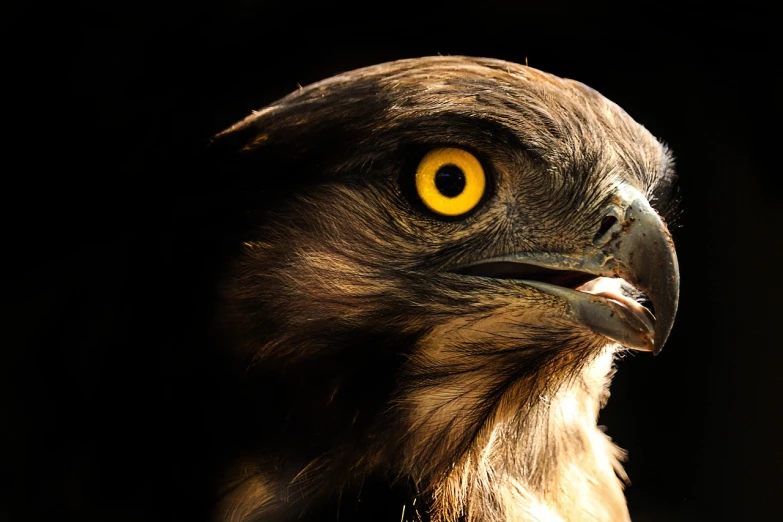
(443, 258)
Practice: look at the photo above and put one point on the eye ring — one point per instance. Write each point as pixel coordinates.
(450, 181)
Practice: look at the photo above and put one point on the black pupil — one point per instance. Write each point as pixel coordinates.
(450, 181)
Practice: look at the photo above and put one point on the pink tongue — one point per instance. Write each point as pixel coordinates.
(612, 288)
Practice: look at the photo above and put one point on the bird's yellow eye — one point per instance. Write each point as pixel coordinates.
(450, 181)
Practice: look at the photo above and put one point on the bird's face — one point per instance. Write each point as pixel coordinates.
(446, 249)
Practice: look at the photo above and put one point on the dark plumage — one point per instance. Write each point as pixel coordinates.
(448, 355)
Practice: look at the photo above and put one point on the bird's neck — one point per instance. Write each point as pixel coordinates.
(562, 468)
(556, 466)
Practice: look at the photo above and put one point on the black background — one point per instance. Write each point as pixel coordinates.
(107, 106)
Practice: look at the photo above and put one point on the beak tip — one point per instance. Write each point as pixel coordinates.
(663, 329)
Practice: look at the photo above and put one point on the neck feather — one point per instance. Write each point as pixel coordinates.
(554, 464)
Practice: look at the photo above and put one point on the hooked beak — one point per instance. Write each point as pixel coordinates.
(637, 247)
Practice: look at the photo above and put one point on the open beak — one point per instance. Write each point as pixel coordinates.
(636, 247)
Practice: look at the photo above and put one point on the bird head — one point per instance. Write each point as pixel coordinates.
(445, 255)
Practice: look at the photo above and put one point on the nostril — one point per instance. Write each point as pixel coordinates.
(606, 224)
